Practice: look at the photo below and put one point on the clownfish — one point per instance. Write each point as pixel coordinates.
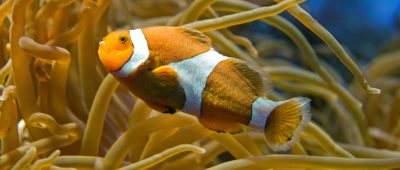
(174, 68)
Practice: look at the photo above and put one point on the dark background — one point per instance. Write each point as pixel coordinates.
(363, 27)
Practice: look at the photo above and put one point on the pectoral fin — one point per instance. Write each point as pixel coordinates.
(164, 76)
(163, 90)
(162, 82)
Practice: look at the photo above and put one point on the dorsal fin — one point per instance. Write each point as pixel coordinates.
(174, 44)
(199, 36)
(258, 82)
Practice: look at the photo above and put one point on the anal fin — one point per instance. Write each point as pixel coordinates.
(219, 125)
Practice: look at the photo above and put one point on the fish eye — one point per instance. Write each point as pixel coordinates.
(123, 40)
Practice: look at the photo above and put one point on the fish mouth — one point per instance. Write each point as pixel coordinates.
(102, 43)
(102, 50)
(102, 46)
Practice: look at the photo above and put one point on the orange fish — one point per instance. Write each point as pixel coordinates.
(173, 68)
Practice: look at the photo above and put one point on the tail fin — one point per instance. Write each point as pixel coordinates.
(286, 121)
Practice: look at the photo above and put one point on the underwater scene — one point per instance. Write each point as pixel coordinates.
(199, 84)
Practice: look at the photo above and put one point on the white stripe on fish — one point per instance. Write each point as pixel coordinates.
(139, 56)
(192, 76)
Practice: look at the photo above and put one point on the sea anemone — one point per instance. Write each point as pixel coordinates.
(59, 109)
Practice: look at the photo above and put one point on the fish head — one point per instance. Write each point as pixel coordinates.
(115, 50)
